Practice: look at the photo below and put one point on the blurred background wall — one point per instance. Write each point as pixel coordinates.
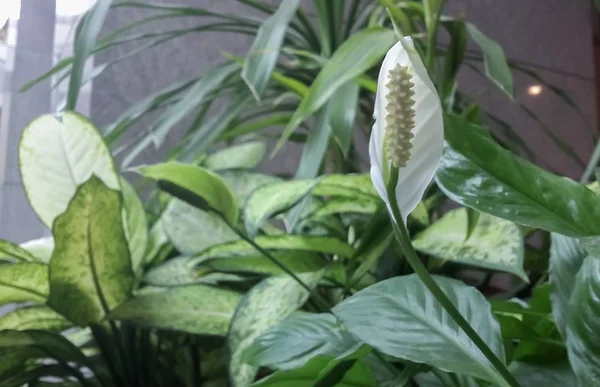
(551, 37)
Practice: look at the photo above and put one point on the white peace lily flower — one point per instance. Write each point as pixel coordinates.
(408, 132)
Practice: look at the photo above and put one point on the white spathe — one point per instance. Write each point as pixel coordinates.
(428, 131)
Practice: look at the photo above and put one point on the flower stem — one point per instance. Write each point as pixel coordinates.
(421, 271)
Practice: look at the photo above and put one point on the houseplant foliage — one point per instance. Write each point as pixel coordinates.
(228, 276)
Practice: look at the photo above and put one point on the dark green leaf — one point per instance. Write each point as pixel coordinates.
(549, 375)
(478, 173)
(399, 317)
(90, 269)
(583, 323)
(196, 309)
(264, 52)
(496, 67)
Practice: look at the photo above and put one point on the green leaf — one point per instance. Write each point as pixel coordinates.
(269, 302)
(58, 154)
(496, 66)
(355, 56)
(295, 261)
(23, 282)
(34, 317)
(135, 225)
(340, 205)
(197, 309)
(358, 375)
(11, 251)
(453, 60)
(495, 243)
(583, 324)
(191, 230)
(85, 40)
(270, 200)
(399, 317)
(196, 186)
(243, 183)
(343, 115)
(476, 172)
(242, 156)
(316, 145)
(350, 185)
(320, 244)
(185, 271)
(90, 269)
(208, 83)
(293, 342)
(566, 258)
(263, 54)
(547, 375)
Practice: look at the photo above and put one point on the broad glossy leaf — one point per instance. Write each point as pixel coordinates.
(358, 375)
(566, 258)
(294, 341)
(263, 54)
(549, 375)
(496, 66)
(476, 172)
(399, 317)
(583, 324)
(495, 243)
(185, 271)
(270, 200)
(11, 251)
(191, 230)
(197, 186)
(34, 317)
(269, 302)
(355, 56)
(196, 309)
(90, 269)
(242, 156)
(341, 205)
(135, 224)
(58, 154)
(343, 115)
(295, 261)
(23, 282)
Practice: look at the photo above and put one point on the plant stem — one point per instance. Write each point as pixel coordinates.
(591, 166)
(421, 271)
(432, 28)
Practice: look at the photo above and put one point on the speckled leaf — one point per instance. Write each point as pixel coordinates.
(23, 282)
(495, 243)
(243, 183)
(58, 154)
(41, 248)
(341, 205)
(295, 261)
(90, 269)
(583, 324)
(10, 251)
(358, 375)
(272, 199)
(34, 317)
(242, 156)
(195, 185)
(267, 303)
(158, 242)
(185, 271)
(321, 244)
(196, 309)
(353, 185)
(136, 224)
(399, 317)
(294, 341)
(566, 258)
(191, 230)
